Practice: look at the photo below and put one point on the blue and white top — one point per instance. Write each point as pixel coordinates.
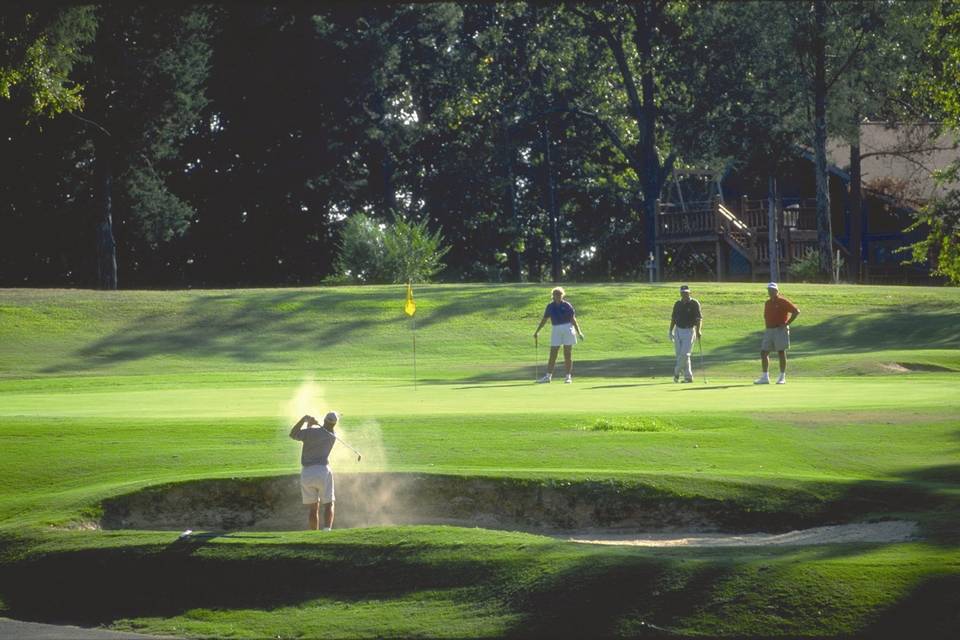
(560, 313)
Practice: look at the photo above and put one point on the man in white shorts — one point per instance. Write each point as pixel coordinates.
(778, 314)
(564, 322)
(316, 478)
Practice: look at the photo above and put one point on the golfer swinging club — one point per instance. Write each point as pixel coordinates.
(564, 322)
(316, 478)
(685, 324)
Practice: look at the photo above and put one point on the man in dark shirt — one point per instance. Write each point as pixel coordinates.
(685, 324)
(316, 478)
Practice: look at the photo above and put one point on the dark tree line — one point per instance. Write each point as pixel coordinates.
(227, 144)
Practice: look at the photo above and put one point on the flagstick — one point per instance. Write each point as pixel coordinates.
(413, 321)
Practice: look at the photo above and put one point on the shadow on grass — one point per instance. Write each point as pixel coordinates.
(856, 333)
(257, 327)
(491, 386)
(930, 610)
(98, 586)
(265, 327)
(711, 387)
(652, 367)
(624, 386)
(262, 327)
(558, 590)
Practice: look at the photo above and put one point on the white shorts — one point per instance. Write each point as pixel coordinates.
(316, 484)
(563, 335)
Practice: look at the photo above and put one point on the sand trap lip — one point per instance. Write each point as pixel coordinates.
(593, 512)
(879, 532)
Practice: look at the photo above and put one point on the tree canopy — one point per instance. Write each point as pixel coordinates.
(244, 144)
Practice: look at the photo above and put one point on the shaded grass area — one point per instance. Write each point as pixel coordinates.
(473, 583)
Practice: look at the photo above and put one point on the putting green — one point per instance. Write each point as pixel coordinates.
(102, 394)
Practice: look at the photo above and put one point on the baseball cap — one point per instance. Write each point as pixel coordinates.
(331, 417)
(773, 285)
(684, 289)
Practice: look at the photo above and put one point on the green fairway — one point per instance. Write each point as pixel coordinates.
(105, 393)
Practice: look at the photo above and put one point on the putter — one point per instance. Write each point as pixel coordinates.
(536, 358)
(702, 366)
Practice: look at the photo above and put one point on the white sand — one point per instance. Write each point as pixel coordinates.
(892, 531)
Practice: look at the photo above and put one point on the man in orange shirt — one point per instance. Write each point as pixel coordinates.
(778, 314)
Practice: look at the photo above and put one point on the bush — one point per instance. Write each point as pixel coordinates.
(363, 255)
(940, 219)
(371, 252)
(807, 268)
(413, 253)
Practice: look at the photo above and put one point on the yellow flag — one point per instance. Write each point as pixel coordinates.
(410, 307)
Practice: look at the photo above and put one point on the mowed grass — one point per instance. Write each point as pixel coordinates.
(103, 393)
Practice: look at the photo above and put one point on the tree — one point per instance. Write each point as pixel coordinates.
(939, 86)
(39, 49)
(402, 251)
(832, 40)
(145, 86)
(639, 37)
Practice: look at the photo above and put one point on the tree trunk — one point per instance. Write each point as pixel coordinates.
(106, 245)
(510, 202)
(772, 228)
(654, 174)
(856, 212)
(824, 229)
(555, 270)
(385, 160)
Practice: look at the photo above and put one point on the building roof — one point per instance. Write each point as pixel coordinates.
(900, 161)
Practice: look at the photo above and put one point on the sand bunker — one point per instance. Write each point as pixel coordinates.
(878, 532)
(595, 512)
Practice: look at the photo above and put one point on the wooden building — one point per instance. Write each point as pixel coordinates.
(712, 225)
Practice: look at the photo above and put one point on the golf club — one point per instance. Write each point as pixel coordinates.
(702, 366)
(536, 358)
(346, 445)
(340, 441)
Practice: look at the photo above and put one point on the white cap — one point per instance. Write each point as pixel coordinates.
(331, 418)
(773, 285)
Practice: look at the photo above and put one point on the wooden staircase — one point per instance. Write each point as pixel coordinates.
(736, 233)
(745, 232)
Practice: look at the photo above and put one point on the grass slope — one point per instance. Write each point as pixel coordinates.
(105, 392)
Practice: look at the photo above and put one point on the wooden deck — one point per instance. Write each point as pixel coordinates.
(743, 227)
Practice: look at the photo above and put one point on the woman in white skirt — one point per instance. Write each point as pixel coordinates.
(564, 333)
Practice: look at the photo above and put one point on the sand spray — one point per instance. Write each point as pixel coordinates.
(377, 494)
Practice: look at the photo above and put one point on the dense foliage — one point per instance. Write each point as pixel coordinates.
(229, 144)
(376, 253)
(940, 84)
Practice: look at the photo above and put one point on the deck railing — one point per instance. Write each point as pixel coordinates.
(755, 213)
(746, 228)
(696, 218)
